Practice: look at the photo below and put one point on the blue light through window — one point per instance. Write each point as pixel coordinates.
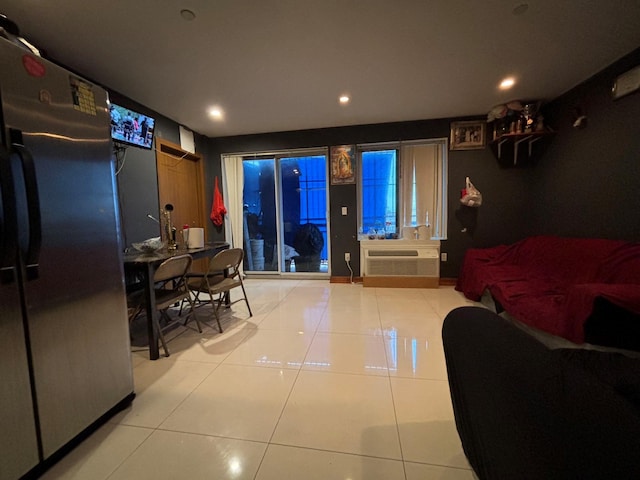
(379, 190)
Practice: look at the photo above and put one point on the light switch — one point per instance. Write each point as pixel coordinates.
(344, 210)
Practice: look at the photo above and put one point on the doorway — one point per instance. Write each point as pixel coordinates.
(181, 184)
(286, 214)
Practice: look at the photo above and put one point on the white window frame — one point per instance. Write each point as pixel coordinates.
(437, 217)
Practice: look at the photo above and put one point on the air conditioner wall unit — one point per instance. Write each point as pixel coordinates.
(397, 260)
(410, 262)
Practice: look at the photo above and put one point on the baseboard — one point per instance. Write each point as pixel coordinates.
(345, 280)
(443, 282)
(402, 282)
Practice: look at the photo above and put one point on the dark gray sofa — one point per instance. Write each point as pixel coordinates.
(526, 408)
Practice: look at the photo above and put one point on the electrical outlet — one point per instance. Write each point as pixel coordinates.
(347, 257)
(443, 256)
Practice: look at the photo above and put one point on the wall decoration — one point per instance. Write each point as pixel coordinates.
(468, 135)
(343, 163)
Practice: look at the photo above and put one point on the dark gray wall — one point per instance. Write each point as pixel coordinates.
(138, 178)
(505, 215)
(499, 220)
(586, 184)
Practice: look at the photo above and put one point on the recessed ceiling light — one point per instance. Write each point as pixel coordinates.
(507, 83)
(344, 99)
(187, 14)
(215, 112)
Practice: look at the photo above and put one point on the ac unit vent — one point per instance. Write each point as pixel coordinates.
(391, 259)
(393, 253)
(423, 267)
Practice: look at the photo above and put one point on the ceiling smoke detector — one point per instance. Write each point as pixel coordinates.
(187, 15)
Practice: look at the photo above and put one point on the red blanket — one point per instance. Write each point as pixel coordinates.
(551, 282)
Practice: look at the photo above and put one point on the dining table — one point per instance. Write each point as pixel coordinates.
(139, 270)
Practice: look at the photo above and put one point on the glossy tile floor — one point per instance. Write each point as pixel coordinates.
(325, 381)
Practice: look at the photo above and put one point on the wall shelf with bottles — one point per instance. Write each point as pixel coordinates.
(522, 148)
(520, 135)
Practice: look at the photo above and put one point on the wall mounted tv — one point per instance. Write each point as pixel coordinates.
(131, 127)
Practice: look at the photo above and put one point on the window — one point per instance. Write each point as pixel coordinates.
(403, 185)
(379, 187)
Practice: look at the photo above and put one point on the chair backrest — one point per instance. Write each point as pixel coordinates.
(227, 260)
(174, 267)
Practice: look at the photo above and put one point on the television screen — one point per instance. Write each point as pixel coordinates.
(131, 127)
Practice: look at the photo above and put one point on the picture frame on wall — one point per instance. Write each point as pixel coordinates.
(468, 135)
(343, 164)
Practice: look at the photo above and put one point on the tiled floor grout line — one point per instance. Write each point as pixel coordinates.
(122, 462)
(339, 452)
(156, 428)
(293, 385)
(290, 293)
(217, 365)
(270, 442)
(393, 402)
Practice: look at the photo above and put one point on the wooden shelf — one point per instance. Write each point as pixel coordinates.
(517, 149)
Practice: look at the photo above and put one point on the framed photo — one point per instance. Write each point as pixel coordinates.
(468, 135)
(343, 164)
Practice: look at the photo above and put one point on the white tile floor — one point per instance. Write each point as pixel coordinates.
(324, 381)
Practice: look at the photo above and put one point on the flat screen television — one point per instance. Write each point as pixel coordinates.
(131, 127)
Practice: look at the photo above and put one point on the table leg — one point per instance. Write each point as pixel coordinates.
(150, 301)
(227, 296)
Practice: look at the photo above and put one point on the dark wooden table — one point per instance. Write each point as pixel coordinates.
(143, 266)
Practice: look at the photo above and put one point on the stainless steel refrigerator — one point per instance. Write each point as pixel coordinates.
(65, 361)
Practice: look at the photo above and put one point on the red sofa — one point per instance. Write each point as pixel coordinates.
(565, 286)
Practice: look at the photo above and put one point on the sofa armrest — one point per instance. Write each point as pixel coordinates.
(472, 279)
(524, 411)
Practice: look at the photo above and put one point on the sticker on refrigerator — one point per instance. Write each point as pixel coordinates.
(33, 66)
(82, 94)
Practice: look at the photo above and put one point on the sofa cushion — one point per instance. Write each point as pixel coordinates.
(622, 265)
(567, 260)
(472, 279)
(539, 309)
(551, 283)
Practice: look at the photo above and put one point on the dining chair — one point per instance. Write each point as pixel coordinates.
(170, 287)
(223, 275)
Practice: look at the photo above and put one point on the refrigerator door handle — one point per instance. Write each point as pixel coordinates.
(32, 257)
(9, 221)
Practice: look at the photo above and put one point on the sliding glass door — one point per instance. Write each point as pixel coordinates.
(303, 190)
(260, 226)
(285, 203)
